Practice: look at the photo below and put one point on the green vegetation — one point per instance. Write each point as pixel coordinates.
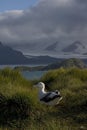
(72, 62)
(21, 110)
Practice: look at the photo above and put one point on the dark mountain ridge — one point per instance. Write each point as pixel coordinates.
(11, 56)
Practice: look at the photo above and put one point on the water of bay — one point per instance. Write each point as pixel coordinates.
(33, 74)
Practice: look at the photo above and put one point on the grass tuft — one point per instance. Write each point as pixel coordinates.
(20, 108)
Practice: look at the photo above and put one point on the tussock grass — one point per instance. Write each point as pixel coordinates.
(21, 110)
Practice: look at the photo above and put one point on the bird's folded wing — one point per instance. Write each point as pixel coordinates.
(49, 97)
(52, 94)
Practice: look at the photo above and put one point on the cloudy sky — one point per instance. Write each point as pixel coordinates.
(43, 21)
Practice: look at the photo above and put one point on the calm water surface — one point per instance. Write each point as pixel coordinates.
(33, 74)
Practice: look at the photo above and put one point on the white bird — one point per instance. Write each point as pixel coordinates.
(49, 98)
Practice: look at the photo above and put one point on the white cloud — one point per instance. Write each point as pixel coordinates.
(48, 20)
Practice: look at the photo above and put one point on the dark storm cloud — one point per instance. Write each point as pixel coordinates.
(49, 19)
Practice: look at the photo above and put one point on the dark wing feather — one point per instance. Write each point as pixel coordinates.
(49, 98)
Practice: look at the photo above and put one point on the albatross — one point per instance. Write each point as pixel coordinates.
(49, 98)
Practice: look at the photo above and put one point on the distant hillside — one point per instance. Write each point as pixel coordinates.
(66, 64)
(73, 63)
(69, 63)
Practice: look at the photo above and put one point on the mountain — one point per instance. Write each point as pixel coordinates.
(76, 47)
(11, 56)
(57, 48)
(52, 47)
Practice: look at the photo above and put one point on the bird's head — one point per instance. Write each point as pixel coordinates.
(40, 85)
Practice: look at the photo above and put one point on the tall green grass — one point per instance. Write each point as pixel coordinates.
(21, 110)
(16, 100)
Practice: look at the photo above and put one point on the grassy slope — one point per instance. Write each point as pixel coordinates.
(20, 108)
